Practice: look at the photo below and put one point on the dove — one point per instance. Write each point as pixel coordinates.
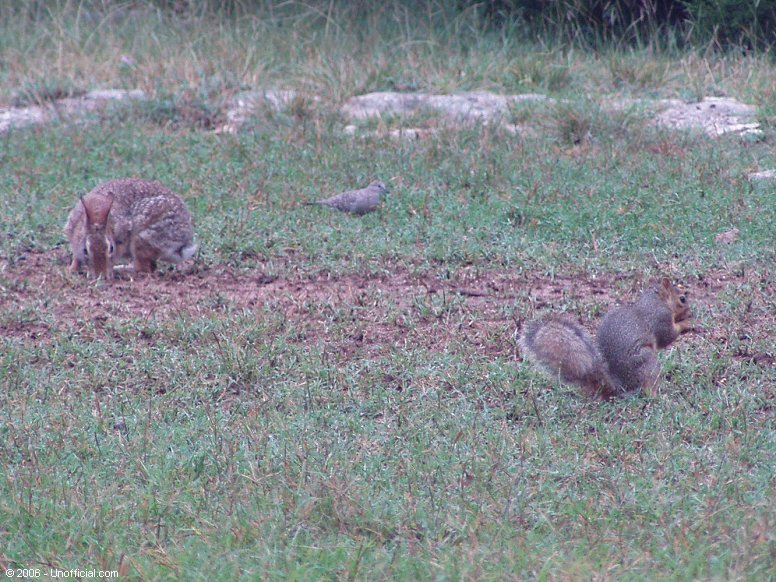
(356, 201)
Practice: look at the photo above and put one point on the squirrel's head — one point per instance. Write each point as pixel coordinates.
(675, 298)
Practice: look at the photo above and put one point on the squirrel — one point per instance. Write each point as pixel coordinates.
(623, 356)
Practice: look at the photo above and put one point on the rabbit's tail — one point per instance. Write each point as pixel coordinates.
(179, 254)
(188, 251)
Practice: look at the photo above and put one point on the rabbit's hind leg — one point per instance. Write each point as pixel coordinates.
(143, 256)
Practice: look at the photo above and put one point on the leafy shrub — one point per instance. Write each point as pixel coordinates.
(587, 19)
(747, 23)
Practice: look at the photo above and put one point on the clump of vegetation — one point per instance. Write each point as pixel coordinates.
(725, 23)
(40, 92)
(733, 23)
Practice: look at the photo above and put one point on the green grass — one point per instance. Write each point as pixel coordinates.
(348, 425)
(476, 198)
(228, 448)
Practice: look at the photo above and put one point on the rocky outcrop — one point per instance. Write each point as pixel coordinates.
(246, 104)
(69, 107)
(460, 107)
(714, 115)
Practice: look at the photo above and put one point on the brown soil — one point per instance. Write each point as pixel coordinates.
(39, 298)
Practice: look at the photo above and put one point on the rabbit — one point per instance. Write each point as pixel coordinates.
(132, 219)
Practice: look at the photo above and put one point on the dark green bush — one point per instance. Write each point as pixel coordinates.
(727, 23)
(591, 20)
(723, 23)
(747, 23)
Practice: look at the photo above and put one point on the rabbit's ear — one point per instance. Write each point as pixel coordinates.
(106, 212)
(97, 214)
(87, 212)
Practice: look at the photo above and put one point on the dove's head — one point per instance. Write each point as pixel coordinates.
(379, 187)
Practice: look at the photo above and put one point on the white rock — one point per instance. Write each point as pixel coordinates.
(714, 115)
(245, 104)
(114, 95)
(68, 106)
(476, 106)
(21, 117)
(765, 175)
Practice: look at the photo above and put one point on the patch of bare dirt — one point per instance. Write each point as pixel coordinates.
(469, 308)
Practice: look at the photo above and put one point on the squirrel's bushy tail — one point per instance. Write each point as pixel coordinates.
(564, 349)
